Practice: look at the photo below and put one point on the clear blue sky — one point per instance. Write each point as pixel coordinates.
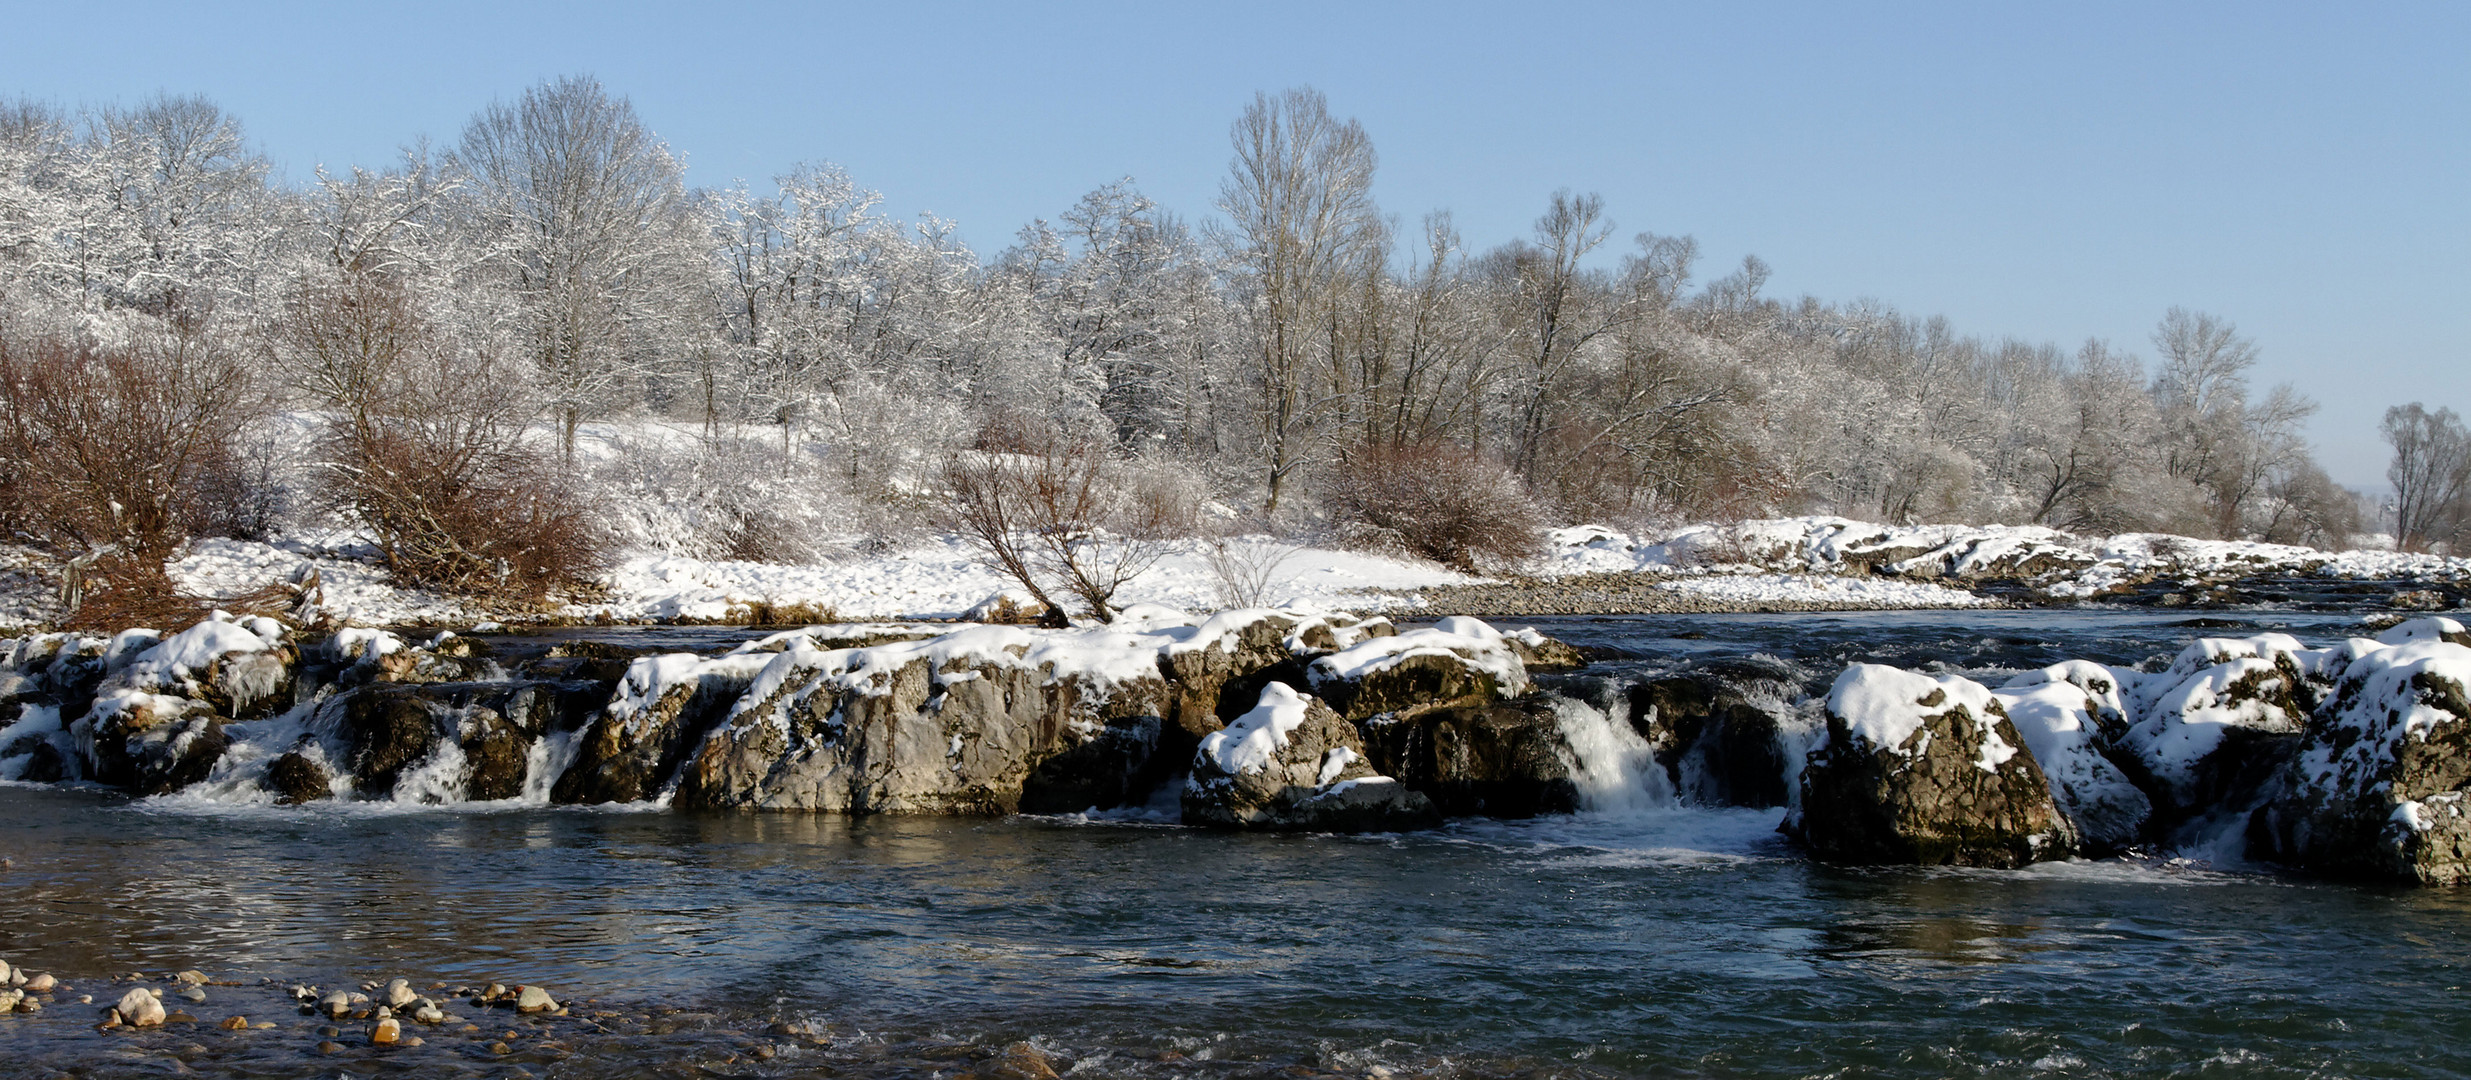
(2042, 171)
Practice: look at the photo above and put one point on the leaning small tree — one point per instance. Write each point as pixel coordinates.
(1062, 516)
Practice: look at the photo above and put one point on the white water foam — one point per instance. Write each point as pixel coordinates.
(1613, 766)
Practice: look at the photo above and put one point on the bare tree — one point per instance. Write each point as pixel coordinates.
(599, 248)
(1299, 197)
(2431, 474)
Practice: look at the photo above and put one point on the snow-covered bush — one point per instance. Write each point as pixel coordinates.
(719, 499)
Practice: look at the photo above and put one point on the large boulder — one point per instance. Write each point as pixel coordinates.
(983, 720)
(1457, 663)
(2376, 788)
(1506, 761)
(2209, 732)
(1291, 764)
(2067, 713)
(1924, 770)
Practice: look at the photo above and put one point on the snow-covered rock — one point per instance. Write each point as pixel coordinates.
(2377, 787)
(2063, 713)
(1291, 764)
(1925, 770)
(2210, 729)
(1458, 662)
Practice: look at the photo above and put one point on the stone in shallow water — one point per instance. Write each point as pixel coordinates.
(387, 1033)
(533, 999)
(399, 993)
(140, 1008)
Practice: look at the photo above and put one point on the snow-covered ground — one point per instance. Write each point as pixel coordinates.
(1812, 561)
(2062, 565)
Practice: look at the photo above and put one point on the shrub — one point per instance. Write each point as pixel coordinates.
(1064, 516)
(1439, 502)
(430, 450)
(110, 455)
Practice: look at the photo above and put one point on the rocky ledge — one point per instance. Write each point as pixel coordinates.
(1260, 716)
(2350, 761)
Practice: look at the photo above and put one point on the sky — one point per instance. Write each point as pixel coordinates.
(2044, 172)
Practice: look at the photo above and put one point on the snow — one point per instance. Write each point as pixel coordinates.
(1464, 640)
(2065, 566)
(2392, 695)
(1882, 709)
(2055, 710)
(1251, 742)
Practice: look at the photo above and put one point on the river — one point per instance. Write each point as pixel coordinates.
(1638, 938)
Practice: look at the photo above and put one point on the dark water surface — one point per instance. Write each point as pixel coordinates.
(1653, 942)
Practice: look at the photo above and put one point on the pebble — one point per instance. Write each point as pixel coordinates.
(85, 999)
(429, 1014)
(5, 970)
(42, 984)
(335, 1004)
(383, 1013)
(492, 992)
(234, 1023)
(533, 999)
(140, 1008)
(29, 1005)
(410, 1040)
(191, 978)
(330, 1032)
(178, 1017)
(399, 993)
(388, 1033)
(330, 1047)
(500, 1048)
(193, 994)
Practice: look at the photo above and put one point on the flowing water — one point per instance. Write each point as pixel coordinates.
(1638, 938)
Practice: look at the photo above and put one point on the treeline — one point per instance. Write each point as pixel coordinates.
(1289, 354)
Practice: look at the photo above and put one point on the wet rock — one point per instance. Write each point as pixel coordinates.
(1505, 761)
(2377, 787)
(429, 1014)
(297, 778)
(533, 999)
(191, 977)
(193, 995)
(399, 993)
(1719, 729)
(387, 1033)
(497, 755)
(140, 1008)
(1458, 663)
(330, 1048)
(1019, 1061)
(335, 1004)
(1291, 764)
(42, 984)
(1917, 770)
(234, 1023)
(389, 730)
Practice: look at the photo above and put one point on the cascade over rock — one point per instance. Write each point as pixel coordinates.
(1503, 760)
(1291, 764)
(1924, 770)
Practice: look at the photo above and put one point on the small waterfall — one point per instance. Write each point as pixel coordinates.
(1615, 769)
(546, 761)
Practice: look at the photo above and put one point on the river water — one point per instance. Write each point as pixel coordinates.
(1637, 939)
